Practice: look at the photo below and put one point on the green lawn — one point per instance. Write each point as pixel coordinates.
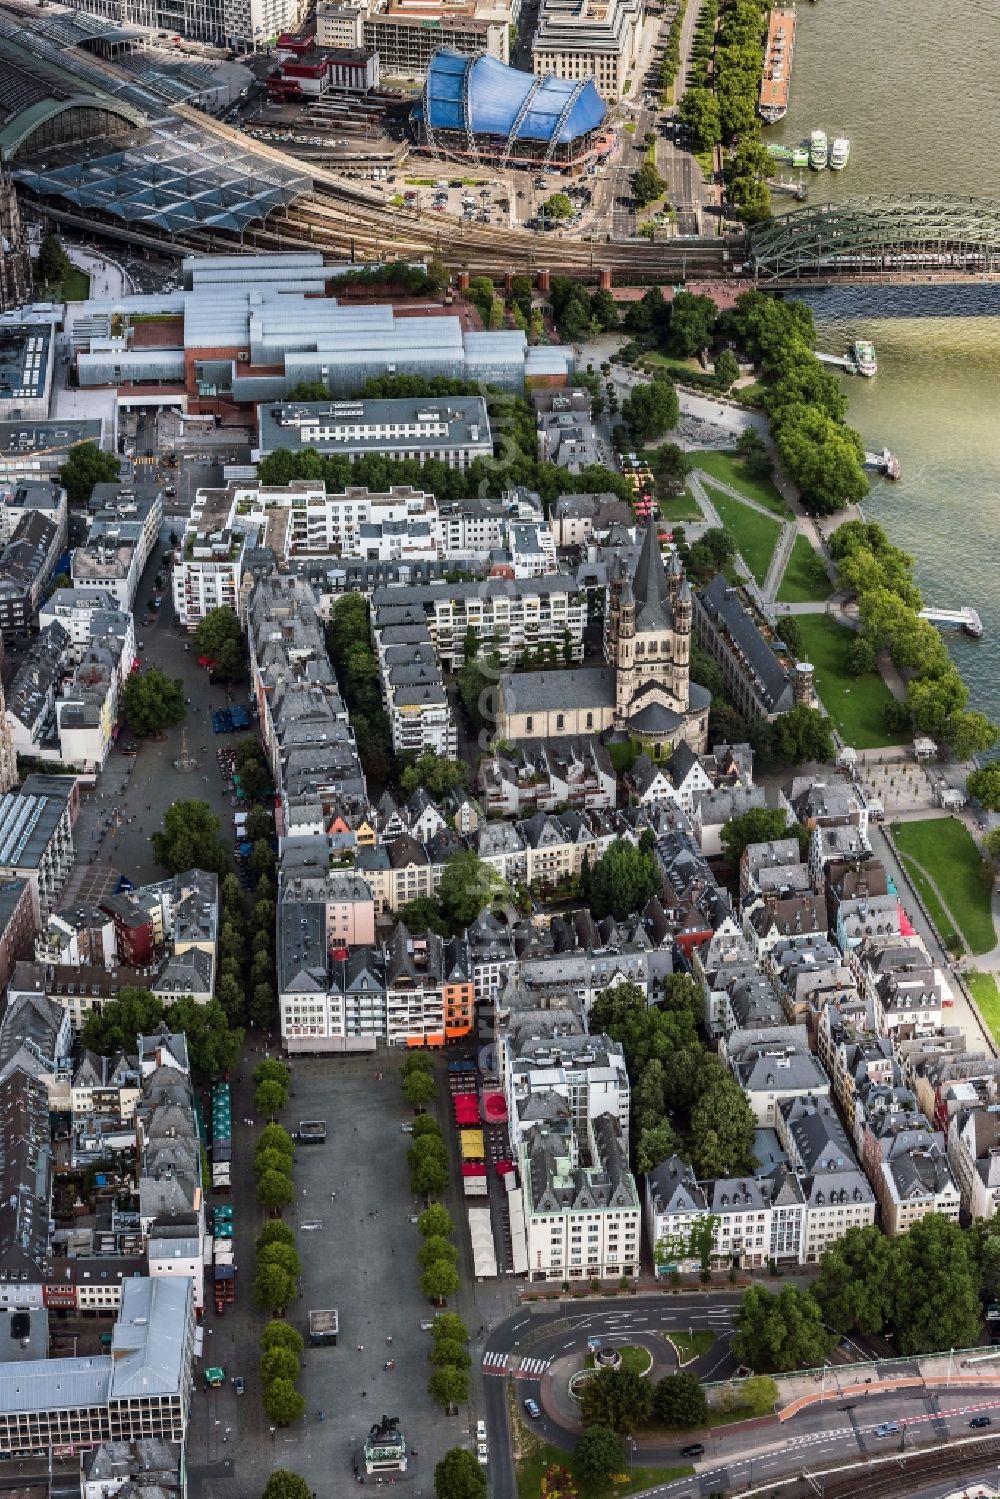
(946, 850)
(856, 704)
(540, 1455)
(74, 287)
(805, 579)
(639, 1360)
(732, 470)
(756, 536)
(941, 918)
(695, 1346)
(679, 507)
(987, 997)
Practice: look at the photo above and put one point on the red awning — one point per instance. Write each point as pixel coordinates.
(473, 1168)
(494, 1108)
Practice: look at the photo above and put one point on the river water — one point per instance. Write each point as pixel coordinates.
(913, 86)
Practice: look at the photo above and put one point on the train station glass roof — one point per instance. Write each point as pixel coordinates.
(172, 177)
(482, 96)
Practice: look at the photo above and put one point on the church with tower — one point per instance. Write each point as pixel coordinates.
(643, 691)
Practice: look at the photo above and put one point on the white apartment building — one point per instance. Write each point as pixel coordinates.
(589, 39)
(581, 1222)
(587, 1073)
(208, 575)
(454, 430)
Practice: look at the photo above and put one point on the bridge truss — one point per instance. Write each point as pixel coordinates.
(868, 236)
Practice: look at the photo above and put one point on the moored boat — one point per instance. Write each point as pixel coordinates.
(772, 103)
(840, 153)
(819, 153)
(863, 357)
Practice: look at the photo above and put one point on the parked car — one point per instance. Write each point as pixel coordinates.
(480, 1431)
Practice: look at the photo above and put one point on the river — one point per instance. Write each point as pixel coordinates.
(913, 87)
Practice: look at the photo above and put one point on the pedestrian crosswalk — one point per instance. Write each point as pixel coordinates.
(503, 1363)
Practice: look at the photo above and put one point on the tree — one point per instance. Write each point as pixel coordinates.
(653, 1144)
(802, 734)
(759, 1394)
(274, 1191)
(934, 1287)
(434, 1248)
(759, 825)
(598, 1455)
(279, 1363)
(984, 786)
(558, 206)
(428, 1162)
(699, 113)
(671, 465)
(679, 1401)
(53, 264)
(459, 1476)
(285, 1485)
(449, 1387)
(281, 1335)
(86, 466)
(623, 880)
(969, 733)
(775, 1334)
(437, 774)
(153, 701)
(468, 886)
(213, 1044)
(604, 310)
(692, 323)
(275, 1232)
(273, 1286)
(435, 1222)
(651, 410)
(419, 1089)
(439, 1281)
(270, 1098)
(117, 1027)
(722, 1130)
(450, 1351)
(991, 843)
(853, 1288)
(190, 840)
(616, 1398)
(276, 1137)
(283, 1403)
(727, 370)
(219, 638)
(449, 1327)
(821, 456)
(271, 1160)
(647, 184)
(423, 914)
(426, 1127)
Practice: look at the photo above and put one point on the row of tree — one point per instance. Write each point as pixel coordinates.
(213, 1045)
(272, 1164)
(281, 1345)
(820, 454)
(349, 643)
(448, 1384)
(246, 934)
(923, 1289)
(615, 1402)
(671, 60)
(579, 314)
(699, 111)
(684, 1101)
(881, 577)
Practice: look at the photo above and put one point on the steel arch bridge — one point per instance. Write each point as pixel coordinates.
(879, 236)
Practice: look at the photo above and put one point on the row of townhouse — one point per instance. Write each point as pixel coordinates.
(123, 532)
(305, 732)
(417, 705)
(340, 991)
(64, 703)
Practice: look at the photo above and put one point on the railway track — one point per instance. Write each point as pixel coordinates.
(891, 1479)
(355, 223)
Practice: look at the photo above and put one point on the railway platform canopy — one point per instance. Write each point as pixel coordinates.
(170, 177)
(878, 235)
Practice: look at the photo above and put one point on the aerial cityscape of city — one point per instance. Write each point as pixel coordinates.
(499, 816)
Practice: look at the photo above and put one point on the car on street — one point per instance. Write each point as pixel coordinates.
(981, 1421)
(533, 1408)
(239, 1384)
(482, 1454)
(693, 1449)
(480, 1431)
(887, 1429)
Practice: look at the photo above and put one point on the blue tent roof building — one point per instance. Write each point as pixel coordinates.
(482, 110)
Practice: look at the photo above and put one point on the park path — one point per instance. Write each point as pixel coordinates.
(786, 538)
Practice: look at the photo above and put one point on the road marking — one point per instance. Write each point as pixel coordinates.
(495, 1363)
(532, 1368)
